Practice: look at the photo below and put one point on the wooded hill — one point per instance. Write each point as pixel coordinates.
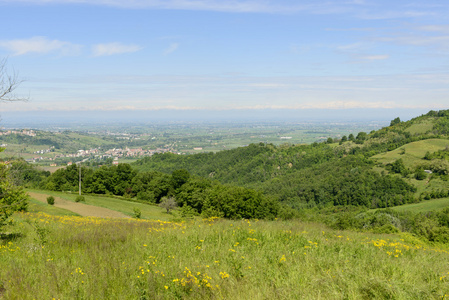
(338, 172)
(383, 168)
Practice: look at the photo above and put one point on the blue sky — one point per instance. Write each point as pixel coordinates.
(150, 55)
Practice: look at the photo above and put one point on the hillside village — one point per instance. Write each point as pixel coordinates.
(55, 156)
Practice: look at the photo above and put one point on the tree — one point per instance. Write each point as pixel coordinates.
(12, 198)
(168, 203)
(361, 136)
(395, 121)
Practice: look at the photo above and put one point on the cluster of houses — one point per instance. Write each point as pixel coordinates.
(135, 152)
(97, 153)
(44, 151)
(22, 132)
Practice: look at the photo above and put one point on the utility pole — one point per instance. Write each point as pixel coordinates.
(79, 188)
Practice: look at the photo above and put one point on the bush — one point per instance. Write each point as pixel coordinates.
(188, 212)
(137, 213)
(420, 174)
(80, 199)
(51, 200)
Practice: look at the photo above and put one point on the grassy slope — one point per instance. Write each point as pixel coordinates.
(87, 258)
(35, 206)
(421, 127)
(413, 157)
(151, 212)
(414, 152)
(435, 204)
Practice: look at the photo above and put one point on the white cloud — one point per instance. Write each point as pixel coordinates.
(40, 45)
(236, 6)
(209, 5)
(362, 9)
(419, 40)
(114, 48)
(172, 48)
(435, 28)
(376, 57)
(439, 42)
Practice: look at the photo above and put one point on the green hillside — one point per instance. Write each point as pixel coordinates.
(404, 163)
(340, 173)
(413, 153)
(425, 206)
(345, 219)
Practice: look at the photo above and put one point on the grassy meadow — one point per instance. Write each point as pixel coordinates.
(421, 127)
(50, 254)
(118, 204)
(413, 153)
(424, 206)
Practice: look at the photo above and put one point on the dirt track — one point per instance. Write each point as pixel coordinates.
(80, 208)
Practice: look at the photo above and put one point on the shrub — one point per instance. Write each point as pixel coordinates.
(188, 212)
(137, 213)
(51, 200)
(420, 174)
(80, 199)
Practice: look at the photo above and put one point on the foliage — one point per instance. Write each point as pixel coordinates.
(25, 174)
(349, 181)
(395, 121)
(168, 203)
(399, 167)
(12, 198)
(420, 174)
(137, 213)
(51, 200)
(243, 166)
(80, 199)
(442, 125)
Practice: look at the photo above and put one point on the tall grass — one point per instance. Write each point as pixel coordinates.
(68, 257)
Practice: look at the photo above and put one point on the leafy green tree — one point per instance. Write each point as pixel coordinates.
(420, 174)
(399, 167)
(179, 177)
(361, 136)
(395, 121)
(12, 198)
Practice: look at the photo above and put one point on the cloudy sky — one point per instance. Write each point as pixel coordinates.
(115, 55)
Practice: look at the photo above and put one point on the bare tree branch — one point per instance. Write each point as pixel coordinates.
(8, 83)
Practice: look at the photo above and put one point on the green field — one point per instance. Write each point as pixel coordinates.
(421, 127)
(429, 205)
(35, 206)
(414, 152)
(151, 212)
